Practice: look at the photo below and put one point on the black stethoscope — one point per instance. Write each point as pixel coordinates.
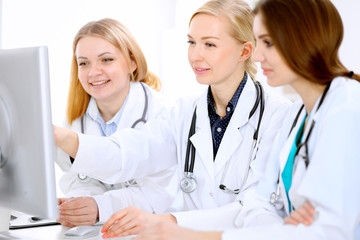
(142, 119)
(188, 182)
(275, 196)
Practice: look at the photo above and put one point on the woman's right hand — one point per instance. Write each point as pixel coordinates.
(131, 221)
(67, 140)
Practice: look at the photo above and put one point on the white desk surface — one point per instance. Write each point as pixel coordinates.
(54, 232)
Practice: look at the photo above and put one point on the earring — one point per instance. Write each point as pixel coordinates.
(241, 59)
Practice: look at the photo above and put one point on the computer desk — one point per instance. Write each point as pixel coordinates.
(53, 232)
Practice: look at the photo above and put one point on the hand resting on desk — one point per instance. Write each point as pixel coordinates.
(78, 211)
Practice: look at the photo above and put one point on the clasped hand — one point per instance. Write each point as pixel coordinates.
(78, 211)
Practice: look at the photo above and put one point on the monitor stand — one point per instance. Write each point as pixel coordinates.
(4, 226)
(4, 219)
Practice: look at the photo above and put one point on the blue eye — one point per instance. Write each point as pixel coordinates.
(268, 43)
(190, 42)
(210, 45)
(108, 60)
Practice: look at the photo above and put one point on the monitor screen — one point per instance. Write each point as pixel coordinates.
(27, 148)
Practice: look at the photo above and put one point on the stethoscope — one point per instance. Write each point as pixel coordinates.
(142, 119)
(275, 198)
(188, 182)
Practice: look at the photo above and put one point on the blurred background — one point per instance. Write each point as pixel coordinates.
(160, 27)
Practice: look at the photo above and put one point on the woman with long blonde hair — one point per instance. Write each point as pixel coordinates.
(232, 125)
(111, 89)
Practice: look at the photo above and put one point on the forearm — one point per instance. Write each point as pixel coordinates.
(117, 158)
(203, 219)
(208, 235)
(115, 200)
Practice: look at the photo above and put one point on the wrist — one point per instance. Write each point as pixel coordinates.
(69, 142)
(167, 218)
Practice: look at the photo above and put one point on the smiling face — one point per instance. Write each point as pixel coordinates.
(274, 67)
(102, 69)
(213, 54)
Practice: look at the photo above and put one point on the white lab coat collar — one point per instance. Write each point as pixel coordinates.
(239, 118)
(202, 139)
(134, 106)
(133, 109)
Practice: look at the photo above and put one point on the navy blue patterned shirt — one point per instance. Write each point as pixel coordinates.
(219, 125)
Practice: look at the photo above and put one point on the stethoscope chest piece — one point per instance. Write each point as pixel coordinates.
(273, 198)
(276, 199)
(82, 176)
(188, 183)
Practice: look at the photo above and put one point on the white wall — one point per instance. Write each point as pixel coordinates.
(160, 26)
(55, 23)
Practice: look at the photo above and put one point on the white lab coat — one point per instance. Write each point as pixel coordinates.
(235, 147)
(330, 183)
(152, 191)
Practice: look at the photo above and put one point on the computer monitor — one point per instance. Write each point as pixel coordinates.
(27, 149)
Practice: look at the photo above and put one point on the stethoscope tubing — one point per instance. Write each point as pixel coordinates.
(188, 170)
(274, 197)
(142, 119)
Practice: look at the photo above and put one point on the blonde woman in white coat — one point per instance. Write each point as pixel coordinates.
(110, 90)
(319, 139)
(226, 166)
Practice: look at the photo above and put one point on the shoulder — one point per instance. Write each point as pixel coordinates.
(342, 100)
(344, 91)
(277, 107)
(75, 125)
(184, 105)
(141, 90)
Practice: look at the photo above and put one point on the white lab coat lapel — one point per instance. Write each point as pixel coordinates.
(90, 127)
(232, 138)
(134, 107)
(284, 155)
(299, 165)
(202, 139)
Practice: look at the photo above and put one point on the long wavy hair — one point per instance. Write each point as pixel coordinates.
(308, 35)
(119, 36)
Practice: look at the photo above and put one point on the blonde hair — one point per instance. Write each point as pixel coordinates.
(119, 36)
(241, 18)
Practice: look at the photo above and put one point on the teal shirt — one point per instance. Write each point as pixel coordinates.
(289, 166)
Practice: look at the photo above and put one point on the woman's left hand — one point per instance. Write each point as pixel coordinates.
(303, 214)
(78, 211)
